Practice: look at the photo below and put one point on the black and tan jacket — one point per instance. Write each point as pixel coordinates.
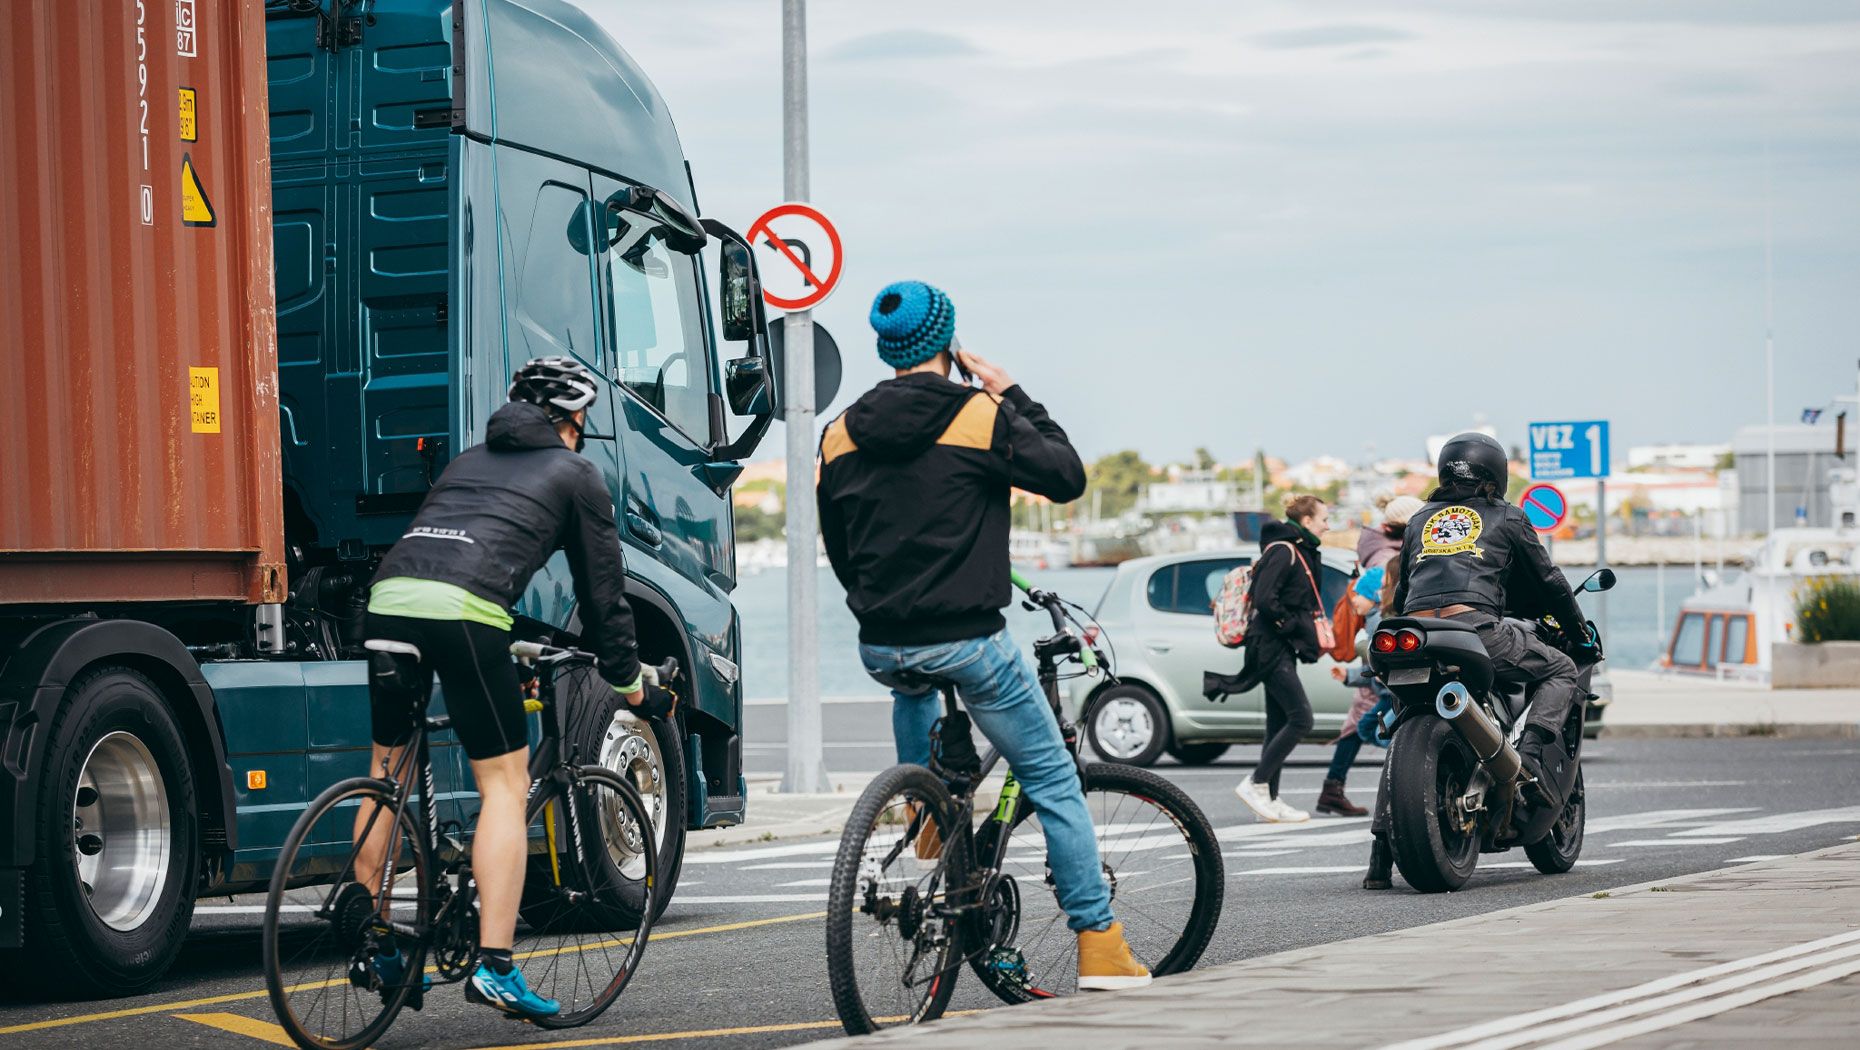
(914, 482)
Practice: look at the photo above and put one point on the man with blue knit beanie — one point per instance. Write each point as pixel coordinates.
(915, 479)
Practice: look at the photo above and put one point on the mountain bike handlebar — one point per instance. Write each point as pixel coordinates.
(1063, 622)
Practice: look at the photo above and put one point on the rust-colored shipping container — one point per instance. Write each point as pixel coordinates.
(139, 412)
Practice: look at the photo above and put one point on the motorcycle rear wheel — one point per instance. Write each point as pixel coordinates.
(1556, 852)
(1429, 768)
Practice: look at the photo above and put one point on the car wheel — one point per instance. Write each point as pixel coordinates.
(1127, 724)
(1198, 754)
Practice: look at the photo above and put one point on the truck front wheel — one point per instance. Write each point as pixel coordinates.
(110, 893)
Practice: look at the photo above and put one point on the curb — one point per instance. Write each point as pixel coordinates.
(1697, 730)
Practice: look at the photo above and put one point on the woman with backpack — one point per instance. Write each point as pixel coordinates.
(1285, 626)
(1375, 548)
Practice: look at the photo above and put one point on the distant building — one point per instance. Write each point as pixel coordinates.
(1190, 491)
(1317, 473)
(1676, 457)
(1805, 472)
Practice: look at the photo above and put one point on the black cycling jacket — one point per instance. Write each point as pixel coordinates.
(500, 509)
(1484, 554)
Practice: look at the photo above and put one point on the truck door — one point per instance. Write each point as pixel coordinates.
(660, 359)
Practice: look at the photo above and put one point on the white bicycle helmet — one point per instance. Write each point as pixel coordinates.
(561, 385)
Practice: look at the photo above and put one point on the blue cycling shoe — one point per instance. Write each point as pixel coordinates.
(508, 992)
(385, 974)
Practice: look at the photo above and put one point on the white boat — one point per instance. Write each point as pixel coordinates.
(1032, 549)
(1727, 630)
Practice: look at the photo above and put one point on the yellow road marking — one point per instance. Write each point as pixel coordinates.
(238, 1024)
(234, 997)
(698, 1033)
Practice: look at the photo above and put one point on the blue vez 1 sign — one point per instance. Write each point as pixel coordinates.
(1569, 450)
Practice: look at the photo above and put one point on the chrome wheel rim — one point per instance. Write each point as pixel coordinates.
(121, 831)
(631, 749)
(1122, 727)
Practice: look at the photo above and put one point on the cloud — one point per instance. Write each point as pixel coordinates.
(901, 43)
(1338, 35)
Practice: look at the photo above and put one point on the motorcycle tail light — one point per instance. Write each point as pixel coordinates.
(1407, 641)
(1383, 642)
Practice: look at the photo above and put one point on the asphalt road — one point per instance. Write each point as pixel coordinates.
(738, 961)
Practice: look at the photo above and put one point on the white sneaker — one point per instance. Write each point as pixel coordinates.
(1288, 814)
(1257, 798)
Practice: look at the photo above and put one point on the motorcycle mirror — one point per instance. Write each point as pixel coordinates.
(1599, 580)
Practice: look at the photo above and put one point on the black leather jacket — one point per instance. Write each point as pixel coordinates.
(1482, 553)
(502, 508)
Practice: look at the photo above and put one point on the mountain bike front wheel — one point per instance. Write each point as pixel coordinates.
(893, 931)
(1163, 865)
(323, 929)
(583, 930)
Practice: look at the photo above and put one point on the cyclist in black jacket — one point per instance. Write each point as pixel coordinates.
(443, 596)
(915, 481)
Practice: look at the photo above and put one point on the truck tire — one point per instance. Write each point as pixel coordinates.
(111, 891)
(650, 754)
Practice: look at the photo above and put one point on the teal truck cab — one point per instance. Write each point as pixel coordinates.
(456, 186)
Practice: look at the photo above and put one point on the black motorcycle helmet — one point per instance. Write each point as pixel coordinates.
(1473, 460)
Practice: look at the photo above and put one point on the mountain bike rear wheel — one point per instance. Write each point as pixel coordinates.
(584, 928)
(323, 929)
(1161, 859)
(893, 936)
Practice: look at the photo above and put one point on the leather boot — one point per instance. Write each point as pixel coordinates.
(1333, 800)
(1381, 864)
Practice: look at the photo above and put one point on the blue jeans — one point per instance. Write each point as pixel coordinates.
(997, 686)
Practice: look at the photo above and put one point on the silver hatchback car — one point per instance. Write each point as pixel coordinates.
(1159, 614)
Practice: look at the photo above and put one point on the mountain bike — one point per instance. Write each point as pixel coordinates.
(324, 930)
(919, 889)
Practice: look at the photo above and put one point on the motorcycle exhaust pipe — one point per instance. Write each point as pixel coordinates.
(1455, 704)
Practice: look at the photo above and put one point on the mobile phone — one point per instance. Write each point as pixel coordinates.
(955, 355)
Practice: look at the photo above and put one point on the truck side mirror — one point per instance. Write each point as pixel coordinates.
(736, 279)
(746, 384)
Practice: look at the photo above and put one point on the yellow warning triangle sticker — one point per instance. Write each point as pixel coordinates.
(196, 209)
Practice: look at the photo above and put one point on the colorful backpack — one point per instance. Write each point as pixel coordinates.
(1233, 609)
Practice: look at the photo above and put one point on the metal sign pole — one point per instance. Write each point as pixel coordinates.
(806, 770)
(1601, 548)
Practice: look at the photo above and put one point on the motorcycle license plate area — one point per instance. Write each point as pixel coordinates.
(1410, 675)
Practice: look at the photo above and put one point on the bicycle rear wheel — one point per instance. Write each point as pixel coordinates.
(584, 929)
(1167, 881)
(893, 939)
(323, 929)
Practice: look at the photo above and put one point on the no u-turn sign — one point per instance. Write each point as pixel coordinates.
(797, 255)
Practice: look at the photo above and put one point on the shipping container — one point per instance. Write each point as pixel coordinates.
(139, 451)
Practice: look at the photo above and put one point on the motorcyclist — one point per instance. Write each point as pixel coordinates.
(1471, 557)
(443, 596)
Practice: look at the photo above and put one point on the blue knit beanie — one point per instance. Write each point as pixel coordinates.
(914, 322)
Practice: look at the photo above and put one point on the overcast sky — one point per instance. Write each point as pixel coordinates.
(1311, 226)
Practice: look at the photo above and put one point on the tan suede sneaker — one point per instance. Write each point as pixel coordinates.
(1105, 962)
(929, 840)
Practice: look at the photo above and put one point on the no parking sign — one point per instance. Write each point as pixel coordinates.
(1544, 507)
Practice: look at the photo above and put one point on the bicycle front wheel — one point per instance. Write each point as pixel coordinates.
(584, 930)
(323, 929)
(1163, 865)
(893, 930)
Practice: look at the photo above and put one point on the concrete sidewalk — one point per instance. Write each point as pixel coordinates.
(1646, 704)
(1763, 954)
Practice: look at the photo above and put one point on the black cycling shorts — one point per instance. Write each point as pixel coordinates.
(477, 677)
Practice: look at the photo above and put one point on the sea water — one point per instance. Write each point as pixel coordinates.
(1636, 633)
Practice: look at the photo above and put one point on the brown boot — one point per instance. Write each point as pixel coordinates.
(1333, 800)
(1105, 962)
(929, 840)
(1381, 865)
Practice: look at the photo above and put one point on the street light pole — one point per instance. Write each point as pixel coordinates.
(806, 770)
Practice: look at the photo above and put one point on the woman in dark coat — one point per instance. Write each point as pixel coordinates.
(1281, 634)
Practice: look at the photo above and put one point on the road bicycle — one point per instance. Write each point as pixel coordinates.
(919, 889)
(323, 930)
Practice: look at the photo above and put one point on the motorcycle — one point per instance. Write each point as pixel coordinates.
(1456, 785)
